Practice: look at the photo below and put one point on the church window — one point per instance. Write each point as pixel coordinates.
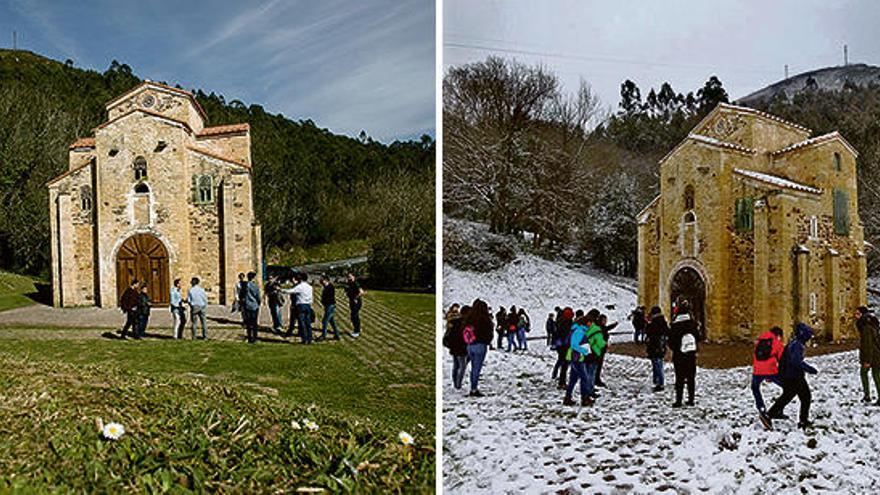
(203, 189)
(142, 189)
(743, 219)
(85, 198)
(140, 168)
(689, 217)
(837, 165)
(814, 227)
(841, 212)
(689, 197)
(814, 302)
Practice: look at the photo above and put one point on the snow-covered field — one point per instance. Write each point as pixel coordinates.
(519, 439)
(539, 286)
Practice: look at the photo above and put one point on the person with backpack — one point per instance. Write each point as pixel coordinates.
(869, 351)
(454, 339)
(765, 365)
(561, 341)
(480, 322)
(550, 329)
(512, 323)
(792, 371)
(523, 326)
(656, 334)
(683, 343)
(606, 334)
(585, 347)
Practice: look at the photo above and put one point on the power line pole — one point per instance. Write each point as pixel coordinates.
(845, 56)
(14, 41)
(786, 71)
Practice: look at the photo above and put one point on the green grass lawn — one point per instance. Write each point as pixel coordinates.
(16, 291)
(383, 381)
(322, 253)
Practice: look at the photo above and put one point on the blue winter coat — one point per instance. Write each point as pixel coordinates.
(577, 351)
(794, 366)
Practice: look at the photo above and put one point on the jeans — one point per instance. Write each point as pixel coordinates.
(142, 326)
(251, 318)
(355, 308)
(790, 388)
(277, 317)
(179, 317)
(304, 317)
(510, 342)
(459, 366)
(476, 354)
(521, 338)
(198, 313)
(131, 322)
(875, 372)
(328, 319)
(756, 388)
(657, 371)
(585, 373)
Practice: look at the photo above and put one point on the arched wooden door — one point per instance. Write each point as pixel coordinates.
(143, 257)
(688, 283)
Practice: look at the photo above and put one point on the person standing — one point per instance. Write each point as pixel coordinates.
(656, 333)
(512, 324)
(683, 343)
(455, 340)
(250, 307)
(794, 381)
(177, 312)
(238, 297)
(328, 300)
(585, 346)
(275, 301)
(550, 329)
(480, 322)
(302, 291)
(606, 334)
(198, 302)
(128, 304)
(355, 294)
(638, 323)
(869, 351)
(523, 326)
(143, 312)
(563, 339)
(501, 326)
(765, 364)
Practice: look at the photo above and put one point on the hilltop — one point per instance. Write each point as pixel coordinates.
(825, 79)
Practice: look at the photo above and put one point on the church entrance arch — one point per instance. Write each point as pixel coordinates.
(689, 284)
(143, 257)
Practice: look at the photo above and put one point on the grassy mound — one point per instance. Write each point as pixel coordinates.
(186, 434)
(16, 291)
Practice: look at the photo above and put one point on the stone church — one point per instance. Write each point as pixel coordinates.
(757, 225)
(154, 195)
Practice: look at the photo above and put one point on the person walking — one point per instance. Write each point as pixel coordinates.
(328, 301)
(178, 315)
(128, 304)
(523, 326)
(638, 322)
(480, 322)
(794, 381)
(198, 302)
(606, 334)
(501, 326)
(683, 344)
(869, 351)
(550, 329)
(454, 339)
(563, 341)
(143, 312)
(355, 294)
(656, 334)
(512, 324)
(250, 307)
(765, 365)
(238, 296)
(304, 296)
(275, 301)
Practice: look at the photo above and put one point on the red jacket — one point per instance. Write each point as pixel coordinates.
(770, 366)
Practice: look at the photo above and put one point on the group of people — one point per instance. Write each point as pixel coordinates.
(136, 304)
(515, 325)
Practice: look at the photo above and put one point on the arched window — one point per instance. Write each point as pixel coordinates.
(140, 168)
(203, 189)
(743, 216)
(689, 217)
(837, 165)
(142, 189)
(85, 198)
(841, 212)
(689, 197)
(814, 227)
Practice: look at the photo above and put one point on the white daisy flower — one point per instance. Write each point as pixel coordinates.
(113, 431)
(311, 425)
(405, 438)
(295, 425)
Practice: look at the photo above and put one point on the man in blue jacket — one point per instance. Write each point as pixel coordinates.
(792, 369)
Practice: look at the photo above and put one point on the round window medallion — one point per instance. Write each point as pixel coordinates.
(148, 101)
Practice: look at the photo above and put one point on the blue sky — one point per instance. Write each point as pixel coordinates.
(349, 65)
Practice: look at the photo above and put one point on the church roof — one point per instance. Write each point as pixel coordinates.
(647, 208)
(86, 142)
(777, 181)
(816, 140)
(765, 115)
(723, 144)
(147, 112)
(69, 173)
(163, 87)
(218, 156)
(224, 129)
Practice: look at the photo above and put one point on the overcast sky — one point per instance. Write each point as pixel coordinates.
(745, 43)
(346, 64)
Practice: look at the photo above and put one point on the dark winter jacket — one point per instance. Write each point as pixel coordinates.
(793, 364)
(682, 325)
(143, 304)
(273, 294)
(129, 299)
(501, 321)
(656, 332)
(328, 295)
(454, 338)
(606, 330)
(550, 327)
(638, 320)
(484, 333)
(563, 334)
(869, 345)
(512, 322)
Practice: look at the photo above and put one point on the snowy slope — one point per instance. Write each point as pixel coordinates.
(538, 286)
(519, 439)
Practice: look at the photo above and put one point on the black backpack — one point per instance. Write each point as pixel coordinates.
(783, 360)
(764, 349)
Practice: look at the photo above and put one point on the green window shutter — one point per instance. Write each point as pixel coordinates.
(743, 217)
(210, 189)
(841, 212)
(195, 189)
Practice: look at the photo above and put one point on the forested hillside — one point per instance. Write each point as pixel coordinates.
(311, 186)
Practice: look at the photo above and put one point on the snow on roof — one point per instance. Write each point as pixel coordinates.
(646, 208)
(774, 180)
(765, 115)
(724, 144)
(816, 140)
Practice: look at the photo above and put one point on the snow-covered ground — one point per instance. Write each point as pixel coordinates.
(520, 439)
(539, 286)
